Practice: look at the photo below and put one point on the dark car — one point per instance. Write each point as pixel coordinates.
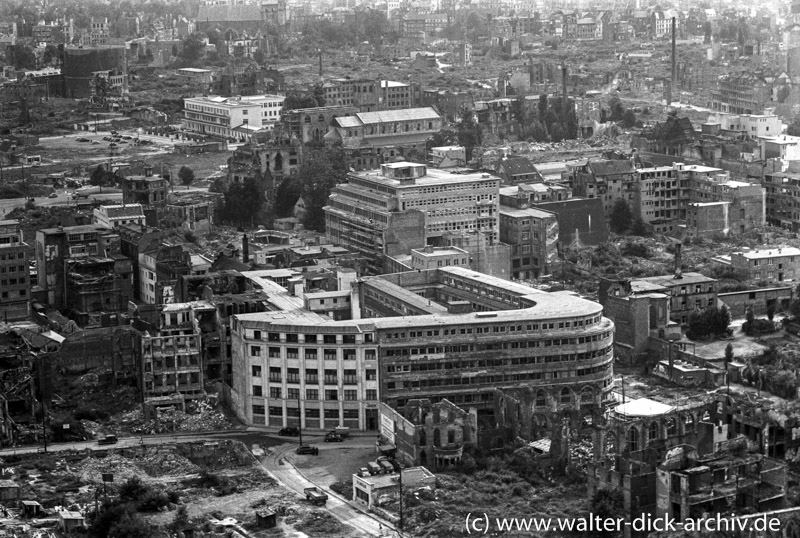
(333, 437)
(107, 440)
(112, 145)
(290, 431)
(307, 449)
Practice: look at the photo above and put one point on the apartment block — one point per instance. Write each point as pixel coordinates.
(114, 216)
(406, 205)
(533, 236)
(15, 282)
(773, 265)
(782, 207)
(687, 292)
(172, 356)
(232, 117)
(447, 333)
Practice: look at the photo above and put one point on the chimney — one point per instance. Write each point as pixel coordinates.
(245, 249)
(678, 260)
(564, 90)
(320, 62)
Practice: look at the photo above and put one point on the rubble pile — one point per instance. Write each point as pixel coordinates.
(92, 469)
(205, 418)
(161, 462)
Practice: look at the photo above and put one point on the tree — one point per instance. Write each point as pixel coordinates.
(50, 53)
(710, 321)
(629, 118)
(130, 525)
(607, 504)
(728, 355)
(617, 110)
(100, 176)
(243, 201)
(793, 129)
(771, 311)
(639, 227)
(186, 175)
(621, 217)
(470, 134)
(181, 521)
(21, 56)
(260, 57)
(193, 48)
(542, 106)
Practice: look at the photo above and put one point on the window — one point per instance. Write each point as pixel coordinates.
(331, 395)
(275, 411)
(257, 390)
(256, 335)
(371, 375)
(350, 377)
(293, 394)
(255, 351)
(275, 393)
(372, 394)
(275, 374)
(330, 376)
(332, 414)
(350, 414)
(256, 370)
(350, 395)
(312, 394)
(259, 409)
(312, 413)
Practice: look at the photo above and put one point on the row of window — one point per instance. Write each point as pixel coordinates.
(276, 393)
(418, 366)
(12, 281)
(349, 376)
(310, 354)
(502, 329)
(437, 382)
(12, 256)
(309, 338)
(310, 412)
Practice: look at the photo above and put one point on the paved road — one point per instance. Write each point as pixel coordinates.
(284, 472)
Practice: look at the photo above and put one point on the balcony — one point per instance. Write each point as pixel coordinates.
(449, 452)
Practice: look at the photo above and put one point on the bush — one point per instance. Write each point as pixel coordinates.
(153, 500)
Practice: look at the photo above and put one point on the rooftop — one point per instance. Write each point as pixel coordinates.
(643, 407)
(432, 177)
(769, 253)
(670, 281)
(522, 213)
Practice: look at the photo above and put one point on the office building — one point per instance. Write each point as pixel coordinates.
(15, 282)
(232, 117)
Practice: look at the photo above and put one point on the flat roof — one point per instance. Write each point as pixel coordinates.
(643, 407)
(194, 70)
(530, 212)
(432, 177)
(671, 281)
(769, 253)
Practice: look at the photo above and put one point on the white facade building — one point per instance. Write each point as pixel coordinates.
(232, 117)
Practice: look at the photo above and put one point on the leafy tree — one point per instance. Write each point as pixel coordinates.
(710, 321)
(793, 129)
(186, 175)
(639, 227)
(181, 520)
(193, 48)
(771, 311)
(260, 57)
(470, 134)
(130, 525)
(616, 108)
(132, 489)
(629, 118)
(542, 106)
(621, 217)
(21, 56)
(243, 201)
(108, 517)
(607, 504)
(294, 101)
(50, 53)
(100, 177)
(445, 137)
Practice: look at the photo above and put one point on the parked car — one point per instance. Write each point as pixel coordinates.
(333, 437)
(374, 468)
(95, 142)
(126, 137)
(52, 195)
(112, 145)
(387, 467)
(290, 431)
(363, 472)
(82, 139)
(107, 440)
(307, 450)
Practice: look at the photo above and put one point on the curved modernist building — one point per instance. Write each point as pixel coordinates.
(445, 333)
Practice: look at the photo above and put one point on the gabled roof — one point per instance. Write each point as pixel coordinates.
(518, 166)
(611, 167)
(672, 129)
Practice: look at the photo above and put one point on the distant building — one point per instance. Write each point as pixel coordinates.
(15, 283)
(745, 126)
(112, 216)
(196, 75)
(581, 221)
(238, 118)
(81, 66)
(368, 490)
(516, 170)
(533, 236)
(447, 156)
(372, 138)
(147, 190)
(407, 205)
(688, 292)
(777, 264)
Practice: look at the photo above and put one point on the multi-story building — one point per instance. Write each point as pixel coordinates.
(657, 198)
(57, 247)
(83, 65)
(98, 32)
(373, 138)
(687, 292)
(448, 333)
(232, 117)
(147, 190)
(405, 205)
(608, 180)
(430, 257)
(533, 236)
(464, 54)
(747, 126)
(269, 162)
(159, 271)
(773, 265)
(15, 281)
(172, 357)
(311, 124)
(113, 216)
(747, 93)
(423, 23)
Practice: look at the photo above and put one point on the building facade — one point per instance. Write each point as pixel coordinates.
(232, 117)
(533, 236)
(448, 333)
(15, 282)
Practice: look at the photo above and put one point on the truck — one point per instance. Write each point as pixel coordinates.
(343, 431)
(316, 496)
(107, 440)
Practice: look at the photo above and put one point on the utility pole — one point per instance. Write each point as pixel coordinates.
(44, 425)
(400, 524)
